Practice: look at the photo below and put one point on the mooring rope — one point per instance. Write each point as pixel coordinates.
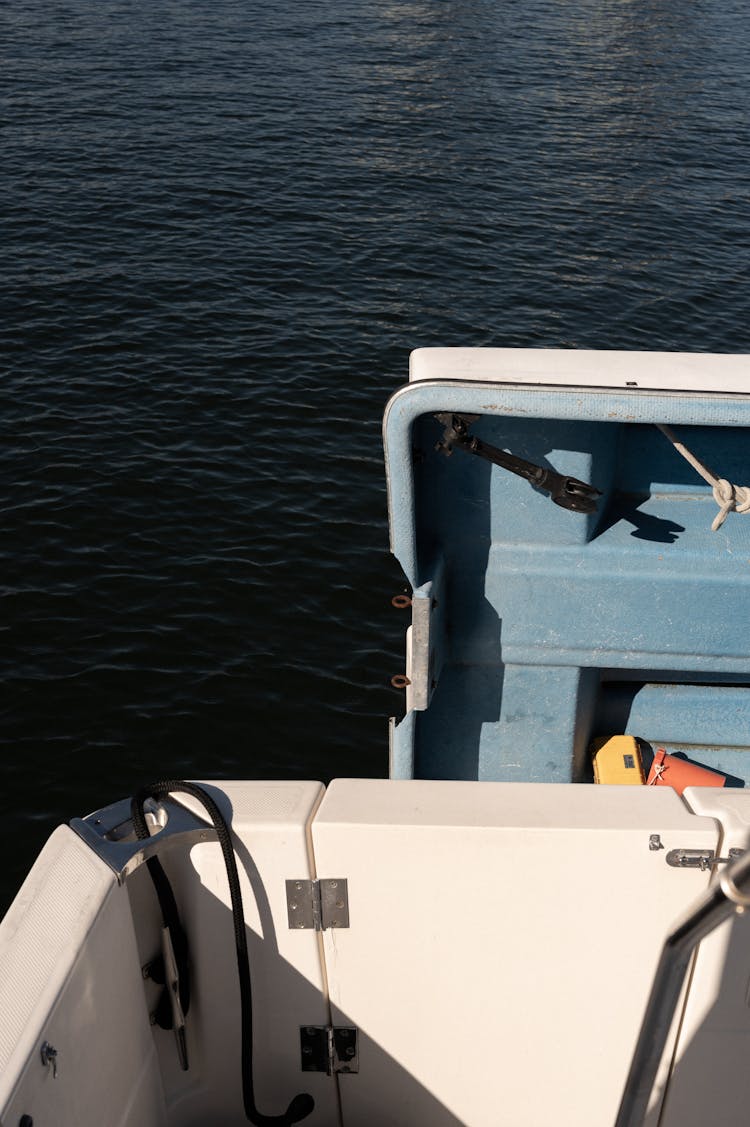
(730, 498)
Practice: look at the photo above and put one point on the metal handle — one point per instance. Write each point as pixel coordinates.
(568, 492)
(720, 901)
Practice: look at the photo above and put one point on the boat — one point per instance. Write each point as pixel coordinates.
(540, 917)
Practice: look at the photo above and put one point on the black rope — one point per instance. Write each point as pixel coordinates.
(302, 1105)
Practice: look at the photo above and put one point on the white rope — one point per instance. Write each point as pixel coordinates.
(730, 498)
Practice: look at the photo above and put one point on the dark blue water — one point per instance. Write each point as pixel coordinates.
(224, 227)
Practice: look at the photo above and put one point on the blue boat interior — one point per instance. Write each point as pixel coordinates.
(536, 629)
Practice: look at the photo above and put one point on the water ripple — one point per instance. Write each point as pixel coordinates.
(225, 228)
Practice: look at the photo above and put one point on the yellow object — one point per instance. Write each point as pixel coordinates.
(617, 759)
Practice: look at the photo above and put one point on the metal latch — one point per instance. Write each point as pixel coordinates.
(328, 1048)
(317, 904)
(48, 1054)
(702, 859)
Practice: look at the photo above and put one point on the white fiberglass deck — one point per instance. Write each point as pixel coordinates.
(500, 951)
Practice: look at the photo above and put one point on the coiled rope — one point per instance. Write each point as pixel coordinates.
(730, 498)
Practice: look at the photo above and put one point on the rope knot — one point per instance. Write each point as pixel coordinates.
(730, 499)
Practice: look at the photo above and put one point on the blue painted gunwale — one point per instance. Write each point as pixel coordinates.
(558, 626)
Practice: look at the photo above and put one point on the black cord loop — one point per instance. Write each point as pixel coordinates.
(302, 1105)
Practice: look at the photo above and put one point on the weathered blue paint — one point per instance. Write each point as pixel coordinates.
(554, 621)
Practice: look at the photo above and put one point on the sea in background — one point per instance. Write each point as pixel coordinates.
(225, 226)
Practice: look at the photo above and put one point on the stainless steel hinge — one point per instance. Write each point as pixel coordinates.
(328, 1048)
(317, 904)
(702, 859)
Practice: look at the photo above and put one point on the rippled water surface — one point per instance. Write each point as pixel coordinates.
(225, 226)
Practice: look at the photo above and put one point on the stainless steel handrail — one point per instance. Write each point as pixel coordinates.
(730, 894)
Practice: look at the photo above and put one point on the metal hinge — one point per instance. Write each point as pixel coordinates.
(317, 904)
(702, 859)
(328, 1048)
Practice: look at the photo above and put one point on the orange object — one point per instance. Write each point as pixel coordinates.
(671, 771)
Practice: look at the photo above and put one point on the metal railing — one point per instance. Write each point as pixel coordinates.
(728, 895)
